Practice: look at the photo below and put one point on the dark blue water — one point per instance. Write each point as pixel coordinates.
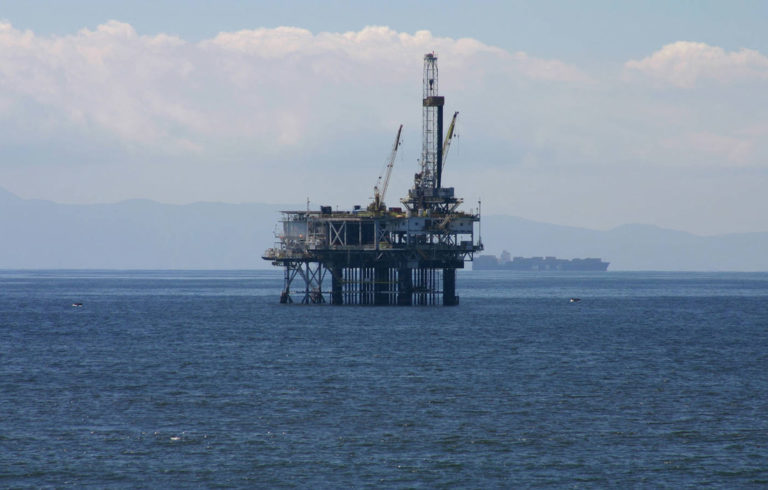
(181, 379)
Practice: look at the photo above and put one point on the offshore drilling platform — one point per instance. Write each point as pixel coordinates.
(381, 255)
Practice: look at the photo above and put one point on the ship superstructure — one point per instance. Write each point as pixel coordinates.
(381, 255)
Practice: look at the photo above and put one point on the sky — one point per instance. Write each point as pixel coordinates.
(590, 114)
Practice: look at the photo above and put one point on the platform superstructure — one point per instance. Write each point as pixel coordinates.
(379, 255)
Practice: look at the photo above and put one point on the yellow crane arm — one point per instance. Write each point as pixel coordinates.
(380, 189)
(449, 137)
(391, 162)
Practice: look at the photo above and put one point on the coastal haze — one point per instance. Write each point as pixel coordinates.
(143, 234)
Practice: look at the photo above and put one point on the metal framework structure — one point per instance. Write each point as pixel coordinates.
(432, 124)
(379, 255)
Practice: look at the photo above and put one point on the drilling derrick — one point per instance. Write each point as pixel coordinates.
(428, 193)
(432, 128)
(376, 255)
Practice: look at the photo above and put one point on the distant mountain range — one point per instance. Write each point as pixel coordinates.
(135, 234)
(141, 234)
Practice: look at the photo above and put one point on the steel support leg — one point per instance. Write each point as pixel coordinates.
(380, 286)
(404, 287)
(449, 288)
(336, 291)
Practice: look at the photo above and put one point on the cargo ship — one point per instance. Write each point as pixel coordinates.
(491, 262)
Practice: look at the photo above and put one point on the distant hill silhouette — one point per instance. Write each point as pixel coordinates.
(135, 234)
(142, 234)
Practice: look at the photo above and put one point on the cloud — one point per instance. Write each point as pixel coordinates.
(272, 88)
(110, 79)
(377, 46)
(683, 64)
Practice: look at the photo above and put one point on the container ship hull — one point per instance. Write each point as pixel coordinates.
(490, 262)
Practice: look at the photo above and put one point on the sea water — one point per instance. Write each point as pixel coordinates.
(201, 379)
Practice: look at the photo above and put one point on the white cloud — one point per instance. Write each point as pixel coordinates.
(270, 85)
(110, 78)
(684, 63)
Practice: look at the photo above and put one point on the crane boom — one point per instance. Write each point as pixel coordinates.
(380, 190)
(449, 137)
(391, 162)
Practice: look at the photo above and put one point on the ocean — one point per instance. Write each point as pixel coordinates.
(202, 379)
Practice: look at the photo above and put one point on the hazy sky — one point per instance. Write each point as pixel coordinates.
(589, 113)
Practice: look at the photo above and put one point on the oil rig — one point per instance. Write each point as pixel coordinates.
(379, 255)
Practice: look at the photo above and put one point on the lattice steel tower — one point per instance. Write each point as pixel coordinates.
(432, 126)
(428, 193)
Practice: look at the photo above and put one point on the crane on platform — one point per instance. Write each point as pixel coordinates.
(449, 137)
(380, 189)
